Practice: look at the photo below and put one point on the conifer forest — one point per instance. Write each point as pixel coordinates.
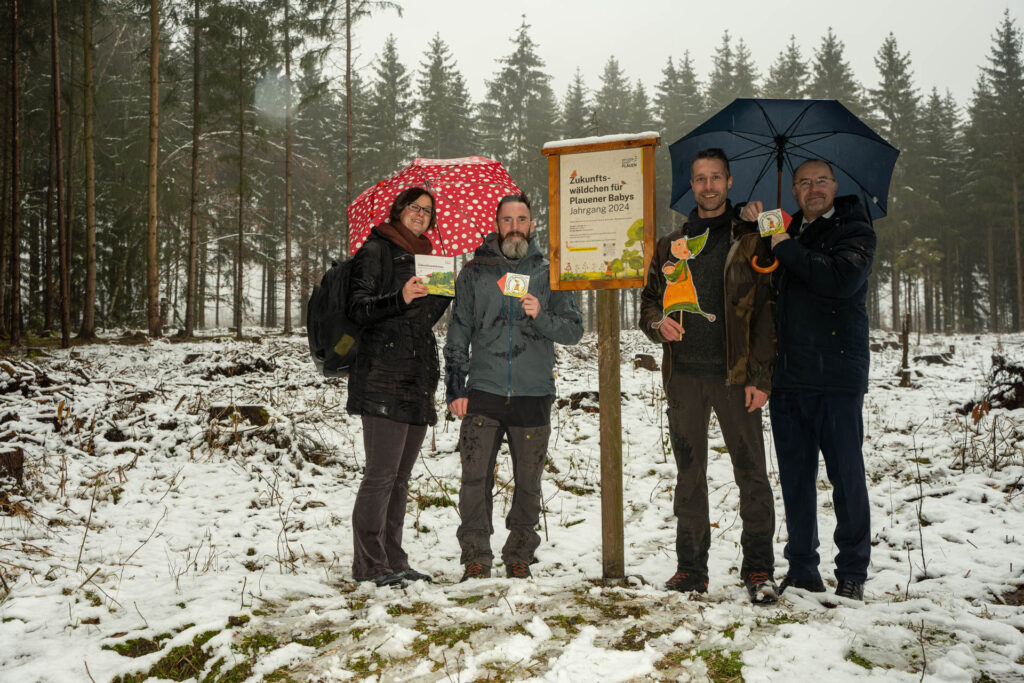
(173, 165)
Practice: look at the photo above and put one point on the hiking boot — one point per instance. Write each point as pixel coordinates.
(684, 582)
(392, 580)
(410, 574)
(517, 570)
(851, 590)
(476, 570)
(815, 585)
(761, 587)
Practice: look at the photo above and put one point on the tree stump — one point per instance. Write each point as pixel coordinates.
(905, 341)
(12, 464)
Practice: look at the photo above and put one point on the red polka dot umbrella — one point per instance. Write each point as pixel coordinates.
(467, 191)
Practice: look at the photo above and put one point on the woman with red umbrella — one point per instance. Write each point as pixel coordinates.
(392, 383)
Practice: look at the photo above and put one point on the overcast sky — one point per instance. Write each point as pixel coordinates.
(947, 40)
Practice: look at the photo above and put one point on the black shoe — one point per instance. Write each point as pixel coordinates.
(517, 570)
(476, 570)
(684, 582)
(851, 590)
(761, 587)
(410, 574)
(815, 585)
(393, 580)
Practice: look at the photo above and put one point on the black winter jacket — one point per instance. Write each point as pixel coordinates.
(821, 311)
(396, 370)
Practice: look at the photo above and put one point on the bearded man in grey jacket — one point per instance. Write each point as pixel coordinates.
(499, 378)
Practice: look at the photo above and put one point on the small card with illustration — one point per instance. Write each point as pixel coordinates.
(437, 273)
(514, 284)
(773, 222)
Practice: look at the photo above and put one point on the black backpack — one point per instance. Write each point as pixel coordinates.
(333, 338)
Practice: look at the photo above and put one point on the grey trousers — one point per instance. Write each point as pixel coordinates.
(690, 400)
(379, 513)
(479, 442)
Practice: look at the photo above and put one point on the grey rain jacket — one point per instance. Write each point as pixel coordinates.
(492, 344)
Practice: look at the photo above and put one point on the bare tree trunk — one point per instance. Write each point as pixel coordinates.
(287, 175)
(152, 268)
(348, 121)
(241, 196)
(5, 206)
(49, 281)
(216, 298)
(13, 322)
(62, 228)
(993, 292)
(895, 279)
(193, 218)
(204, 266)
(88, 329)
(118, 281)
(1016, 238)
(69, 186)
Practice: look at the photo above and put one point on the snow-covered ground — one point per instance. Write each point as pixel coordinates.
(160, 535)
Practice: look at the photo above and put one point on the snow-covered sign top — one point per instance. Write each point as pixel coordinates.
(598, 139)
(466, 190)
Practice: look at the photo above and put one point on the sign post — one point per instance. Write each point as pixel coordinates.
(601, 233)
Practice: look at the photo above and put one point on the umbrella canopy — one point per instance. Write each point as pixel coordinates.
(467, 191)
(766, 140)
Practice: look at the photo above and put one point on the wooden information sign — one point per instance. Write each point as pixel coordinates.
(601, 231)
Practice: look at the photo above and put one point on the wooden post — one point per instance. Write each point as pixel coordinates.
(613, 551)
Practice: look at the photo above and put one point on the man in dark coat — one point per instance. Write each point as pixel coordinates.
(718, 354)
(821, 375)
(499, 378)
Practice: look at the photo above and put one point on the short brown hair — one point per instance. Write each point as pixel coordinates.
(712, 153)
(509, 198)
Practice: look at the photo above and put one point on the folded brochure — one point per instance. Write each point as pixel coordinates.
(437, 273)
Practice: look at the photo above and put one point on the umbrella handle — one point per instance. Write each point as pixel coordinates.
(763, 269)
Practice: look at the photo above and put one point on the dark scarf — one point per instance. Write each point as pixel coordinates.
(404, 237)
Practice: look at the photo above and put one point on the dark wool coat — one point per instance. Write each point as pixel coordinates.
(397, 368)
(822, 318)
(749, 310)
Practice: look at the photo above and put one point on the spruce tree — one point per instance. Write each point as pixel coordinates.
(996, 136)
(518, 116)
(941, 218)
(788, 76)
(612, 101)
(678, 108)
(445, 127)
(384, 136)
(833, 78)
(895, 107)
(576, 112)
(721, 87)
(744, 72)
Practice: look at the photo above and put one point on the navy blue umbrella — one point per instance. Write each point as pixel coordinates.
(766, 140)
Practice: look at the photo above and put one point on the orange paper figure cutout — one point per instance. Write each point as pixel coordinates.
(680, 293)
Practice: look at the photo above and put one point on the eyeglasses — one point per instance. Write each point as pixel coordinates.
(425, 210)
(816, 182)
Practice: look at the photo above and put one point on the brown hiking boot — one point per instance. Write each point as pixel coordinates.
(761, 588)
(476, 570)
(685, 582)
(518, 570)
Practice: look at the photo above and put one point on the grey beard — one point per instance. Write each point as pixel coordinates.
(514, 249)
